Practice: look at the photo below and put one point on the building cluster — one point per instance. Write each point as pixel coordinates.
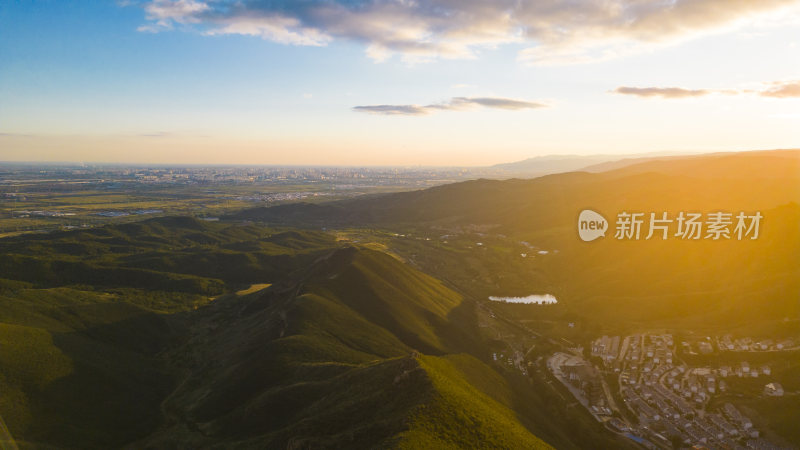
(39, 213)
(639, 353)
(670, 399)
(115, 176)
(272, 197)
(243, 174)
(748, 344)
(606, 348)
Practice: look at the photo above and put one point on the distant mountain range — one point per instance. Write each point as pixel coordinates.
(548, 164)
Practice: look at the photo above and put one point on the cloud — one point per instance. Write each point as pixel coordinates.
(775, 89)
(163, 13)
(391, 110)
(782, 89)
(664, 92)
(284, 30)
(553, 32)
(454, 104)
(494, 102)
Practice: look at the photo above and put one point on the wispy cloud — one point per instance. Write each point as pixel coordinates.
(454, 104)
(494, 102)
(782, 89)
(664, 92)
(776, 89)
(392, 110)
(162, 14)
(554, 32)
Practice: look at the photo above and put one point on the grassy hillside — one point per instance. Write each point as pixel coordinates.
(170, 254)
(82, 331)
(463, 413)
(413, 306)
(328, 350)
(79, 368)
(326, 363)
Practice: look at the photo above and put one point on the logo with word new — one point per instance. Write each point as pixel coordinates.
(716, 225)
(591, 225)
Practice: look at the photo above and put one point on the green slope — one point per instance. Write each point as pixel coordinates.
(463, 412)
(78, 369)
(348, 347)
(325, 363)
(82, 331)
(413, 306)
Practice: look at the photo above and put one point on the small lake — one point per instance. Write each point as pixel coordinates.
(545, 299)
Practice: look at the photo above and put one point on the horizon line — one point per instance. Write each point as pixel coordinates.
(665, 154)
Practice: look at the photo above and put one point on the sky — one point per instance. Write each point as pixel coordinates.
(393, 82)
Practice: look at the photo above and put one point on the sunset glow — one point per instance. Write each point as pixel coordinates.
(393, 82)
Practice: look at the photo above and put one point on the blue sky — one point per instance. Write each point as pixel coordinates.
(188, 81)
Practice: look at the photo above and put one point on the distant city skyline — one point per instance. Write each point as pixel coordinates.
(393, 82)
